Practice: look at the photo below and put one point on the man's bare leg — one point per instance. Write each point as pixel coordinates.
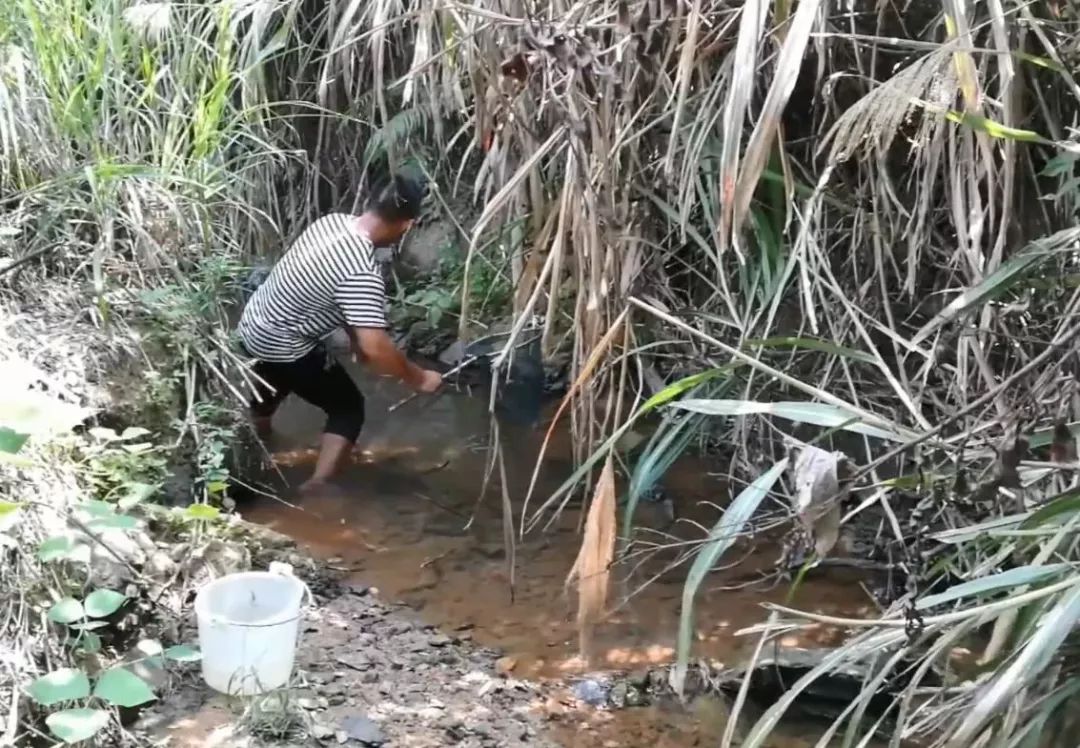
(332, 451)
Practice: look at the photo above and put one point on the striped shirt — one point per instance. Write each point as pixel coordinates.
(328, 279)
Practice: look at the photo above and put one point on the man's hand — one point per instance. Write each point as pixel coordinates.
(430, 382)
(382, 355)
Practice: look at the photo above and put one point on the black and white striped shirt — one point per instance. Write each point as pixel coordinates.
(327, 279)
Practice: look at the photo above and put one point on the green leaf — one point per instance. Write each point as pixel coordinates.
(102, 434)
(675, 389)
(1002, 279)
(55, 548)
(121, 687)
(183, 653)
(202, 512)
(8, 508)
(67, 610)
(66, 684)
(77, 725)
(89, 625)
(102, 603)
(996, 129)
(216, 487)
(1020, 576)
(1024, 670)
(721, 537)
(11, 441)
(89, 643)
(819, 414)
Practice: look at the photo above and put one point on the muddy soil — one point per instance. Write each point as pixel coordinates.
(412, 522)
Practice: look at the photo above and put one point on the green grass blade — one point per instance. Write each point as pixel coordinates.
(721, 537)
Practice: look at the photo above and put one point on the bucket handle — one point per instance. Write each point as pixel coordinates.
(285, 570)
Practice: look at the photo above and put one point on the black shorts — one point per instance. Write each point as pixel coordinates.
(319, 380)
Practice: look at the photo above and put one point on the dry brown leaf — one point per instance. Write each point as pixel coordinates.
(818, 495)
(592, 567)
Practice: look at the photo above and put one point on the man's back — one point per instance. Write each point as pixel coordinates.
(326, 280)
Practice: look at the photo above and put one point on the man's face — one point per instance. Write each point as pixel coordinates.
(392, 233)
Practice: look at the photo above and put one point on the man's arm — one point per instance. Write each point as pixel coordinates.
(379, 352)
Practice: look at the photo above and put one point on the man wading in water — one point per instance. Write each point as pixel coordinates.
(328, 280)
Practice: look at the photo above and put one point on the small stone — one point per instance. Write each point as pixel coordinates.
(336, 700)
(322, 731)
(359, 727)
(592, 692)
(505, 665)
(440, 640)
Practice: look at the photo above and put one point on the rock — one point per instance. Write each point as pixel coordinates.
(505, 665)
(440, 640)
(359, 727)
(160, 566)
(592, 691)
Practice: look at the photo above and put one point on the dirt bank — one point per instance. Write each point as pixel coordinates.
(368, 673)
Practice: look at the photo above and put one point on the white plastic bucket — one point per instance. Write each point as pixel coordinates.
(248, 624)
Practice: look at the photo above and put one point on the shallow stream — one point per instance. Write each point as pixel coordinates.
(410, 521)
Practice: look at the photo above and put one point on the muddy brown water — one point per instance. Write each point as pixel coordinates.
(410, 521)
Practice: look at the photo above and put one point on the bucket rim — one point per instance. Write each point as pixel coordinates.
(202, 599)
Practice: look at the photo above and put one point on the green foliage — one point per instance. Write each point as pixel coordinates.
(66, 610)
(65, 684)
(120, 687)
(77, 725)
(103, 603)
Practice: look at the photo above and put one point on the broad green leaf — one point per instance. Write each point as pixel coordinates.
(8, 508)
(66, 684)
(11, 441)
(102, 603)
(55, 548)
(1023, 575)
(67, 610)
(202, 512)
(102, 434)
(812, 344)
(183, 653)
(77, 725)
(819, 414)
(721, 537)
(216, 487)
(121, 687)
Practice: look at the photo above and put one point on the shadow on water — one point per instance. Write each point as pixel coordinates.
(412, 522)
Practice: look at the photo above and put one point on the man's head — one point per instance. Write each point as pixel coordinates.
(392, 209)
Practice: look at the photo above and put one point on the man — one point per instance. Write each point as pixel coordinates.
(327, 280)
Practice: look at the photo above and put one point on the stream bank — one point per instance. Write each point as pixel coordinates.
(411, 526)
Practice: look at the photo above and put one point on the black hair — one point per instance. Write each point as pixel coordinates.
(398, 199)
